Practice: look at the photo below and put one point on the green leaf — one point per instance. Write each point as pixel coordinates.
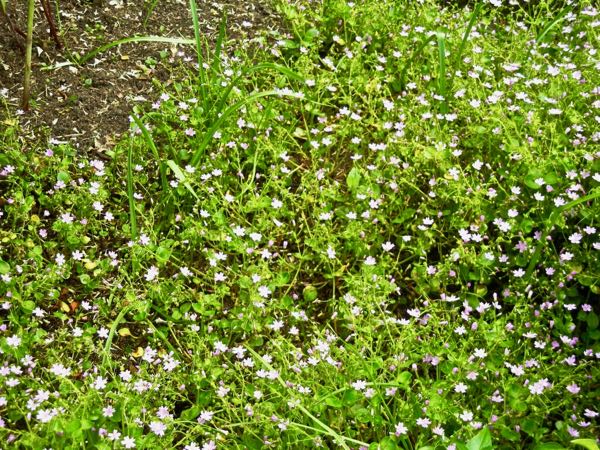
(509, 434)
(387, 443)
(72, 426)
(592, 320)
(334, 402)
(353, 179)
(256, 341)
(590, 444)
(4, 267)
(481, 441)
(530, 180)
(529, 426)
(408, 213)
(350, 397)
(181, 177)
(405, 377)
(252, 442)
(163, 254)
(549, 446)
(63, 176)
(191, 413)
(28, 305)
(310, 293)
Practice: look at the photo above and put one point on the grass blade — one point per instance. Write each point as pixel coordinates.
(150, 142)
(550, 224)
(28, 49)
(416, 53)
(441, 39)
(228, 112)
(132, 214)
(149, 12)
(263, 66)
(463, 43)
(562, 16)
(326, 429)
(181, 177)
(198, 42)
(106, 360)
(216, 63)
(167, 40)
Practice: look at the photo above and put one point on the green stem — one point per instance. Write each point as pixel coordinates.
(29, 46)
(551, 222)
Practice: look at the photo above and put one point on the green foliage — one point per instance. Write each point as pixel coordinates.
(378, 231)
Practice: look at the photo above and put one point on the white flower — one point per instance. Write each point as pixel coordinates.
(152, 273)
(330, 252)
(205, 416)
(466, 416)
(128, 442)
(400, 429)
(359, 385)
(99, 384)
(13, 341)
(423, 422)
(220, 276)
(67, 218)
(264, 291)
(575, 238)
(59, 370)
(480, 353)
(370, 261)
(60, 259)
(158, 428)
(461, 388)
(46, 415)
(387, 246)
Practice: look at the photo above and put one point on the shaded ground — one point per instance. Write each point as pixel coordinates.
(87, 105)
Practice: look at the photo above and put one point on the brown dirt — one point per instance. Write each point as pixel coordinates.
(89, 105)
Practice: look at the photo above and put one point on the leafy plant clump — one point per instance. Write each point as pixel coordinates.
(377, 232)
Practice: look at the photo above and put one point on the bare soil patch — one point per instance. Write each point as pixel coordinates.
(89, 105)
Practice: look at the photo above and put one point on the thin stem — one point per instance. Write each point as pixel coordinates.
(28, 47)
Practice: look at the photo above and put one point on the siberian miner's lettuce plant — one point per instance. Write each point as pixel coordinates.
(396, 248)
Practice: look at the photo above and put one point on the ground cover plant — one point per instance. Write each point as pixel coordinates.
(379, 232)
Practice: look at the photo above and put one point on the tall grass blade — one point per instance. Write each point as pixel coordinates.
(263, 66)
(150, 143)
(550, 224)
(149, 12)
(181, 177)
(416, 53)
(198, 42)
(562, 16)
(132, 213)
(463, 43)
(326, 429)
(167, 40)
(106, 359)
(28, 48)
(441, 39)
(228, 112)
(216, 63)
